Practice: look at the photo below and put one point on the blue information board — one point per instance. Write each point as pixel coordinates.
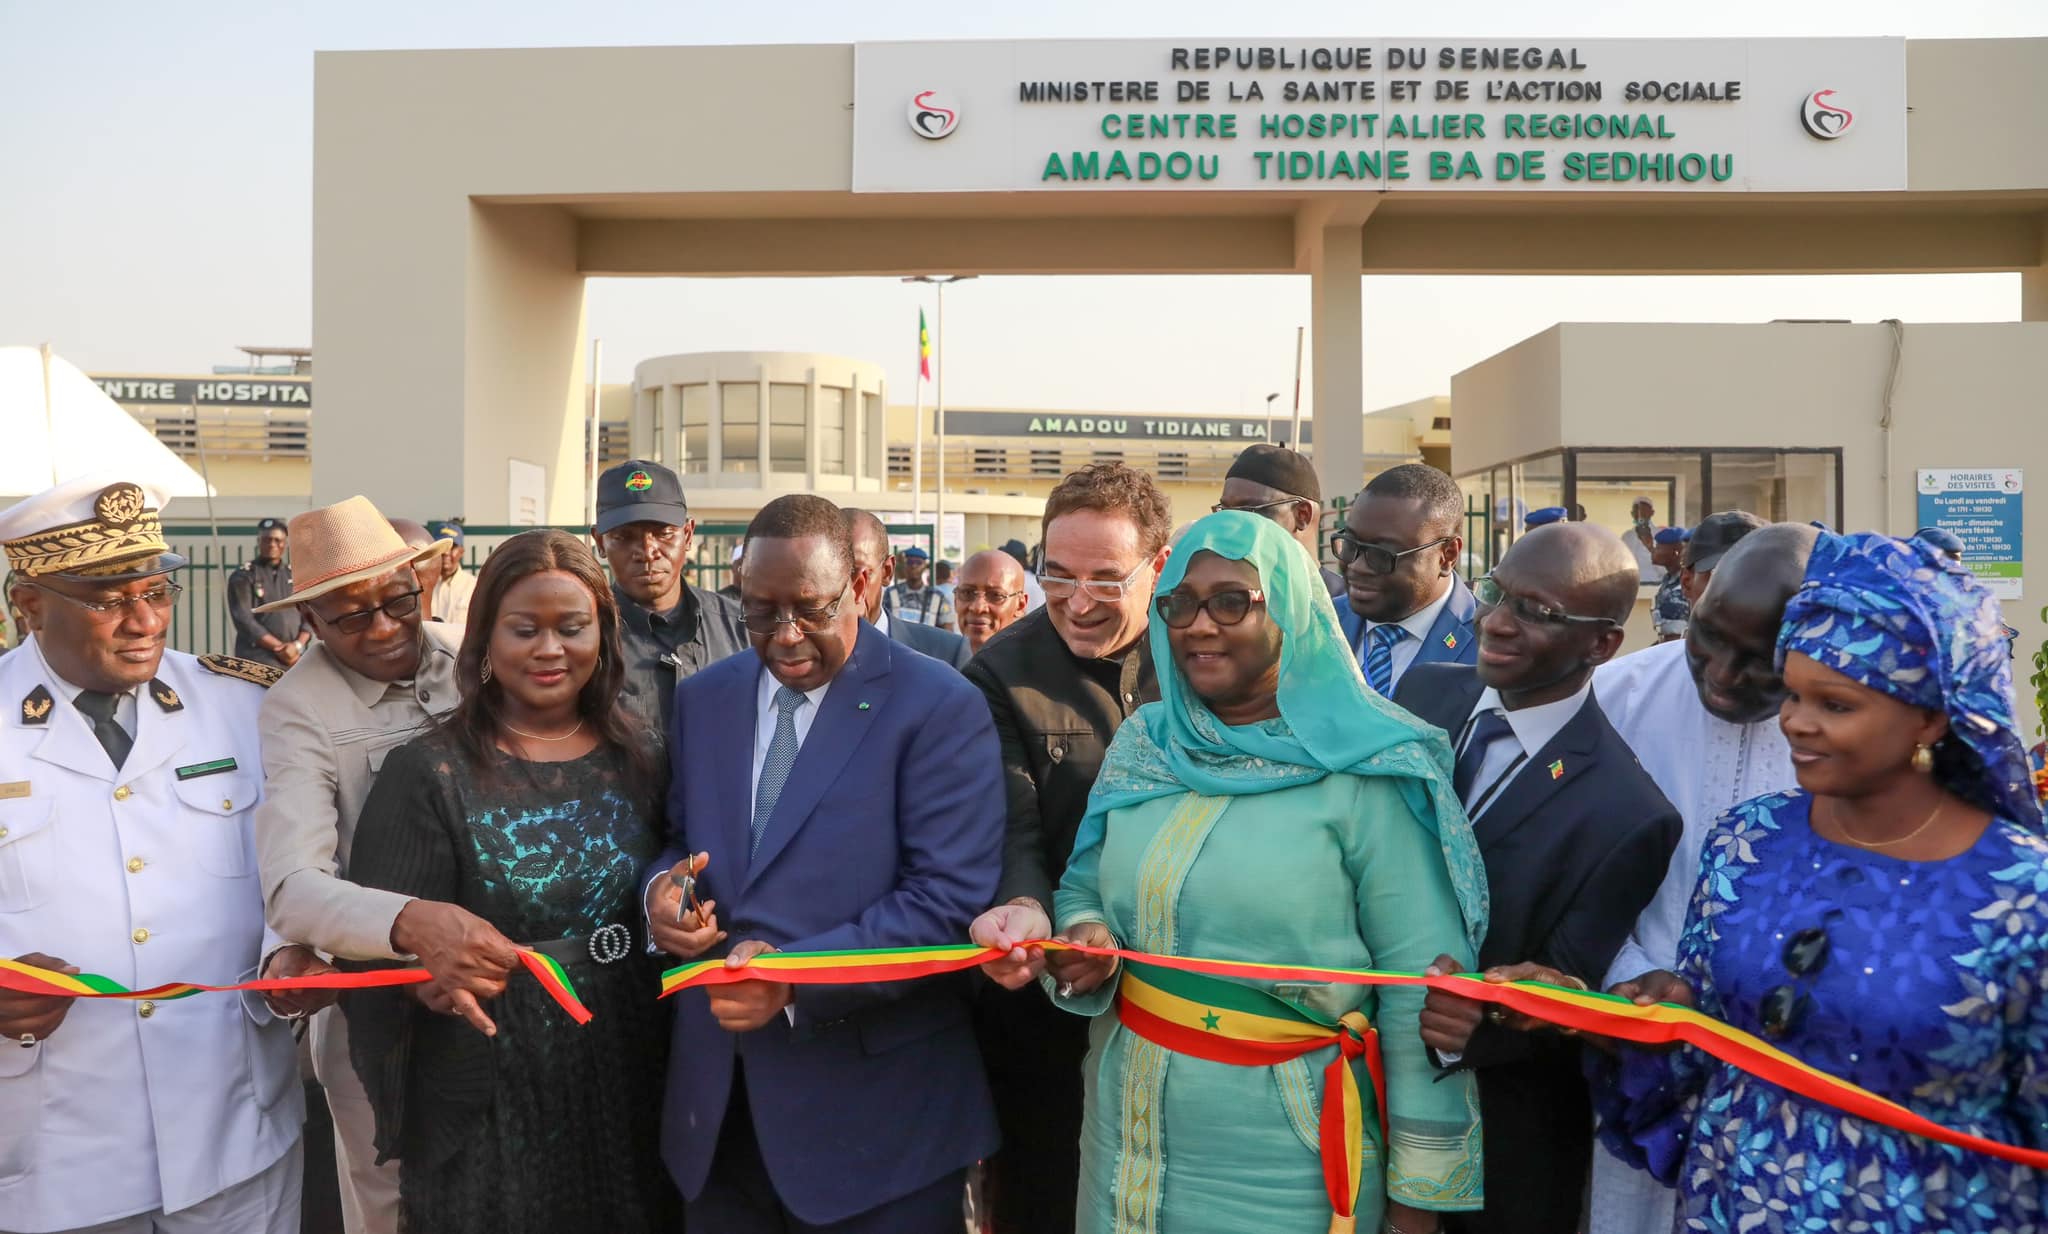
(1982, 509)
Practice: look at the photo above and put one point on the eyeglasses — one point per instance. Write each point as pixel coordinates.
(159, 598)
(1178, 609)
(1490, 595)
(1108, 591)
(1786, 1008)
(811, 620)
(963, 596)
(1348, 548)
(1220, 507)
(400, 606)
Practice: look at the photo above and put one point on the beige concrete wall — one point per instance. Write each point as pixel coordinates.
(1508, 405)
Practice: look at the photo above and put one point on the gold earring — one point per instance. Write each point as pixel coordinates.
(484, 675)
(1923, 759)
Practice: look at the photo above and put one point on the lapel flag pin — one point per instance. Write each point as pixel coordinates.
(863, 706)
(1557, 770)
(1451, 641)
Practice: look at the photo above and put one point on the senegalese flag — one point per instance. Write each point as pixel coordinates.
(924, 348)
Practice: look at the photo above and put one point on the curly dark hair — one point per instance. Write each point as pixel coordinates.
(476, 721)
(1114, 488)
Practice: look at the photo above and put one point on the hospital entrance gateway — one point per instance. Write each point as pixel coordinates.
(461, 199)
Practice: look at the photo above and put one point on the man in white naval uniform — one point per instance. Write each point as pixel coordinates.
(1701, 715)
(128, 774)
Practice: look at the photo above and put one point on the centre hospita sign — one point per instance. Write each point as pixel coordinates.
(1531, 115)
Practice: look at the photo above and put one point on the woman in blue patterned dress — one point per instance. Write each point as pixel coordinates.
(1887, 923)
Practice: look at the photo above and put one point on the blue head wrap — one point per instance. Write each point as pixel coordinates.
(1899, 618)
(1330, 720)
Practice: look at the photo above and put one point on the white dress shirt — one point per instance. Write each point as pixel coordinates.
(1531, 729)
(765, 716)
(124, 702)
(881, 622)
(1418, 624)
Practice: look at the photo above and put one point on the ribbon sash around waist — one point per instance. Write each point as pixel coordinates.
(1224, 1022)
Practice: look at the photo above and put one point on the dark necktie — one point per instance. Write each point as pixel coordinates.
(99, 708)
(1489, 728)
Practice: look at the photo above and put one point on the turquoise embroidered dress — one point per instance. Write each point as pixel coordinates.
(1327, 836)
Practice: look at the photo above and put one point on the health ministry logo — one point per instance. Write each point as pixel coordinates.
(930, 118)
(1824, 119)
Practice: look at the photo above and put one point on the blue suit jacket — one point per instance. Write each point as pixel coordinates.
(941, 645)
(1452, 640)
(888, 834)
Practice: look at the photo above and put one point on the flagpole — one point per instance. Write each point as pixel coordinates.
(917, 454)
(939, 485)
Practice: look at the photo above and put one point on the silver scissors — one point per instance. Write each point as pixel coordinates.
(687, 885)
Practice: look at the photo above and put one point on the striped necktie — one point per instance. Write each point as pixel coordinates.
(775, 768)
(1379, 656)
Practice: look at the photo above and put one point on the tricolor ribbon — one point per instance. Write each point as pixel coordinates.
(1580, 1010)
(28, 979)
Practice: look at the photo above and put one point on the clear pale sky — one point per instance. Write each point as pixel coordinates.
(156, 169)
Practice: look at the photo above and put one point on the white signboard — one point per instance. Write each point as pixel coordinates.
(1463, 115)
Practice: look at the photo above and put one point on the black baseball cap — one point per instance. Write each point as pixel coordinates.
(1715, 535)
(637, 491)
(271, 524)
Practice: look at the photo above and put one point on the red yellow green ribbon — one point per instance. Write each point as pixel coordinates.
(1225, 1022)
(28, 979)
(1579, 1010)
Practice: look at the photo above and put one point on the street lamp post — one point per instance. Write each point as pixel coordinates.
(939, 281)
(1269, 416)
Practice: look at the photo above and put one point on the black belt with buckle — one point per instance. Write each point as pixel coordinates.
(608, 944)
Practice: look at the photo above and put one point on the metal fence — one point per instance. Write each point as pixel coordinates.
(200, 625)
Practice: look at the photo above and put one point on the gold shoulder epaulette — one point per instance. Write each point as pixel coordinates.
(264, 675)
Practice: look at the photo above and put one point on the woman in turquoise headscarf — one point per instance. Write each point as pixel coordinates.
(1269, 807)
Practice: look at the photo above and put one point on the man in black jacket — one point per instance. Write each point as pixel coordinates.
(1576, 838)
(1059, 681)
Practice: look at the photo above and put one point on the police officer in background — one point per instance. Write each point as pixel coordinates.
(277, 639)
(128, 774)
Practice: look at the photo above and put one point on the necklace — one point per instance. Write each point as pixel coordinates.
(1835, 816)
(537, 737)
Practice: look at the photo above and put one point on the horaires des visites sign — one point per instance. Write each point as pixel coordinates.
(1501, 115)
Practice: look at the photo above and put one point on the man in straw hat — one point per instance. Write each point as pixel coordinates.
(375, 675)
(128, 774)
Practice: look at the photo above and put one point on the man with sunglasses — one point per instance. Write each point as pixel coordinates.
(1280, 484)
(128, 773)
(375, 676)
(1575, 838)
(1400, 547)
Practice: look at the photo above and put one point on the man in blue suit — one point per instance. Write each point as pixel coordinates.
(872, 559)
(1400, 548)
(838, 792)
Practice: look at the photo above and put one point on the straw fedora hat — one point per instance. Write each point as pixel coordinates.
(344, 543)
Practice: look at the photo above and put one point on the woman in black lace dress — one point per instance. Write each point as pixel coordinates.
(535, 806)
